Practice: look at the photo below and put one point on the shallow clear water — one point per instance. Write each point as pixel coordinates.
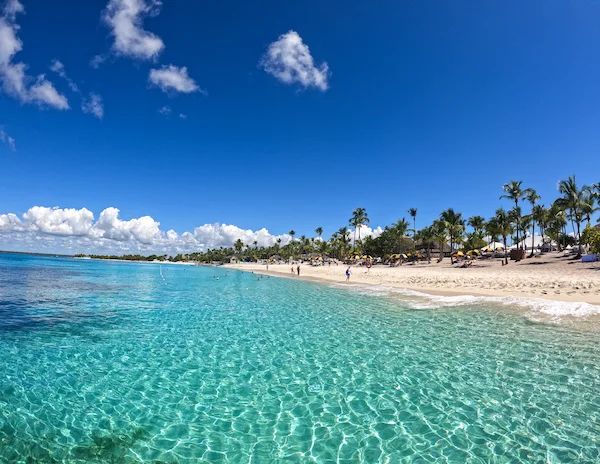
(104, 362)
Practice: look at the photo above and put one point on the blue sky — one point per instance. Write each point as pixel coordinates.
(407, 104)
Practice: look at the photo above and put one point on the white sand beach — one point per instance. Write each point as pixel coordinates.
(550, 277)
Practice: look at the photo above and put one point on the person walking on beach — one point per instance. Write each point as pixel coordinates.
(298, 270)
(292, 269)
(348, 273)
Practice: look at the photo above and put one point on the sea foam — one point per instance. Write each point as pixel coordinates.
(419, 300)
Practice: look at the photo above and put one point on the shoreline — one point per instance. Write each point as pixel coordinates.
(559, 285)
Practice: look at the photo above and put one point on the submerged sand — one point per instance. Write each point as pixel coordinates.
(550, 276)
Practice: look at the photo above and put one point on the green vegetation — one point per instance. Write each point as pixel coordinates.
(574, 207)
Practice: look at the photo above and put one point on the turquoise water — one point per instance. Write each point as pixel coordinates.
(104, 362)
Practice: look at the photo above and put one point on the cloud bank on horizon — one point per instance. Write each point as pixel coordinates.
(71, 231)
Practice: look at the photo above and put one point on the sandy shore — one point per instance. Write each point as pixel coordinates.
(551, 277)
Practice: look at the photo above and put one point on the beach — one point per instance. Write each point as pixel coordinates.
(550, 276)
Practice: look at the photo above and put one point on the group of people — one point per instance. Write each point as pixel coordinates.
(297, 271)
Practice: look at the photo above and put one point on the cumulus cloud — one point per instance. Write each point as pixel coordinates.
(15, 81)
(75, 230)
(57, 221)
(224, 235)
(289, 60)
(93, 105)
(144, 230)
(365, 231)
(125, 18)
(171, 78)
(6, 139)
(182, 116)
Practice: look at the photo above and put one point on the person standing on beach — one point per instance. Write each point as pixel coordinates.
(298, 270)
(292, 269)
(348, 273)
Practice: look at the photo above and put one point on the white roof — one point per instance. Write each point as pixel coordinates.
(537, 241)
(494, 245)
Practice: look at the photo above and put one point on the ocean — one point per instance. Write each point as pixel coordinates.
(104, 361)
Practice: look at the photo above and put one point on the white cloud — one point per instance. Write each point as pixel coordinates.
(10, 223)
(144, 230)
(365, 231)
(57, 221)
(59, 68)
(93, 105)
(182, 116)
(15, 81)
(165, 110)
(171, 77)
(12, 8)
(224, 235)
(290, 61)
(8, 140)
(74, 230)
(125, 18)
(97, 60)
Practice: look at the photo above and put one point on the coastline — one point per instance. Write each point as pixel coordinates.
(557, 279)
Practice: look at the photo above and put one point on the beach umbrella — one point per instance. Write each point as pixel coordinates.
(459, 253)
(403, 256)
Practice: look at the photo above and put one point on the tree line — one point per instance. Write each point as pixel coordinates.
(574, 207)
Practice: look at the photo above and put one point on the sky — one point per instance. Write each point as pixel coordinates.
(141, 126)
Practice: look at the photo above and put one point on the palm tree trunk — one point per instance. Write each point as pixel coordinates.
(516, 209)
(532, 238)
(505, 253)
(579, 236)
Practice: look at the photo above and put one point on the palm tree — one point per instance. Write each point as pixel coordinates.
(502, 225)
(454, 225)
(514, 192)
(439, 233)
(413, 214)
(359, 218)
(571, 201)
(492, 231)
(477, 223)
(426, 235)
(319, 231)
(532, 197)
(343, 239)
(588, 205)
(238, 245)
(539, 214)
(401, 226)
